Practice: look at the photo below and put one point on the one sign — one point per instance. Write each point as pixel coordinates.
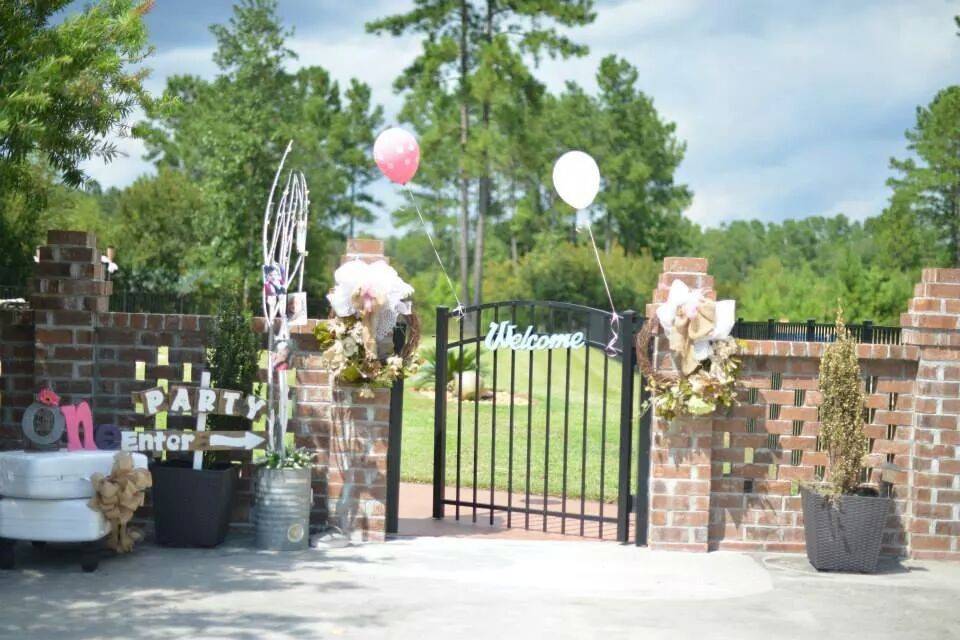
(196, 441)
(503, 335)
(46, 421)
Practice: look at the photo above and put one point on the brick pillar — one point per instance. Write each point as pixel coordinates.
(350, 434)
(933, 324)
(68, 291)
(311, 416)
(681, 452)
(357, 475)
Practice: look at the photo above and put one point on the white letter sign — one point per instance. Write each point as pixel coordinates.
(504, 335)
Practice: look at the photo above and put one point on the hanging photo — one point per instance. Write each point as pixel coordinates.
(282, 356)
(274, 289)
(297, 309)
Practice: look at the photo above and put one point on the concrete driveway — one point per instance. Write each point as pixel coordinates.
(469, 588)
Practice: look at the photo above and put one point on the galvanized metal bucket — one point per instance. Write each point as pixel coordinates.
(281, 509)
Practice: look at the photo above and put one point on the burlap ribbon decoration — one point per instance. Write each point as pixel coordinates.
(369, 303)
(686, 331)
(117, 496)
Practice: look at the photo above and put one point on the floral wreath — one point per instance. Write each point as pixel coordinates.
(366, 302)
(698, 330)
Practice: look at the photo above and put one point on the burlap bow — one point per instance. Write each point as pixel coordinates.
(687, 330)
(368, 302)
(117, 496)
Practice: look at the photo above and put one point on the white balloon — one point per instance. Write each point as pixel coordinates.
(576, 177)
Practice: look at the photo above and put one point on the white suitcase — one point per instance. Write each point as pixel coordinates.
(51, 520)
(55, 475)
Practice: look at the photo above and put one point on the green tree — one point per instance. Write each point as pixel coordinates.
(158, 220)
(228, 135)
(350, 139)
(642, 205)
(928, 183)
(65, 85)
(568, 272)
(465, 89)
(233, 359)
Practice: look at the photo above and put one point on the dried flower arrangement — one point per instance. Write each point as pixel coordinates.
(698, 330)
(367, 301)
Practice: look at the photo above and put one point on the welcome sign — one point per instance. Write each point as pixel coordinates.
(504, 335)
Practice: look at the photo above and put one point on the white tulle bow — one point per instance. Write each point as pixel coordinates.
(377, 280)
(684, 300)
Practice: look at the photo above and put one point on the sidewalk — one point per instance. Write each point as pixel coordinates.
(425, 588)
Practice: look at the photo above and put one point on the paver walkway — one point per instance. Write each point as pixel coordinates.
(416, 516)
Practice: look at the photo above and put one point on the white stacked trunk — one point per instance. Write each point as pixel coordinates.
(45, 494)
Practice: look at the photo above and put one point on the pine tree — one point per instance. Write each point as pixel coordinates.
(929, 182)
(841, 411)
(464, 89)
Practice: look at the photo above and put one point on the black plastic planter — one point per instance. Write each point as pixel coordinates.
(845, 533)
(192, 508)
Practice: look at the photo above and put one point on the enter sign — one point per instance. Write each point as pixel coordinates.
(169, 440)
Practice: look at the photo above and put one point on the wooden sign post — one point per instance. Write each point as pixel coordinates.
(201, 422)
(180, 400)
(196, 441)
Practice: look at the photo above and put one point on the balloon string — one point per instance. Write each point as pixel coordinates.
(611, 347)
(458, 311)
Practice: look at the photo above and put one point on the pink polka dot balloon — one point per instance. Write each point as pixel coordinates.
(397, 154)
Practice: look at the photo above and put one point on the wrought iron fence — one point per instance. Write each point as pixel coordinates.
(812, 331)
(172, 302)
(10, 292)
(128, 301)
(131, 301)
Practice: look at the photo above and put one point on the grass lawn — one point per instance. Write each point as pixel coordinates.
(589, 449)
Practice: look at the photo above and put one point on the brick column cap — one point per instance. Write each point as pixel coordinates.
(366, 249)
(67, 238)
(941, 276)
(685, 264)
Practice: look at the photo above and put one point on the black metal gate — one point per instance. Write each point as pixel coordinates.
(536, 427)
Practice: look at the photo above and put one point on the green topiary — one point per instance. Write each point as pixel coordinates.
(841, 411)
(233, 355)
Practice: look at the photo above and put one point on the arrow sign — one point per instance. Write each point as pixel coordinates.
(250, 440)
(169, 440)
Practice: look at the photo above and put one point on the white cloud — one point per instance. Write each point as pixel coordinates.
(376, 61)
(125, 168)
(824, 91)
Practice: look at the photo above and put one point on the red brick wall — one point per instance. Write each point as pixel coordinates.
(125, 339)
(731, 481)
(932, 322)
(769, 445)
(16, 373)
(71, 342)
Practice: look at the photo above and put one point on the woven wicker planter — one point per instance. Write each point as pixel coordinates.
(843, 534)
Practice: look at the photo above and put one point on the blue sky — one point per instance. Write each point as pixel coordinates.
(789, 109)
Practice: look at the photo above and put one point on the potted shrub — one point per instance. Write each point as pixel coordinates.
(843, 520)
(283, 494)
(192, 507)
